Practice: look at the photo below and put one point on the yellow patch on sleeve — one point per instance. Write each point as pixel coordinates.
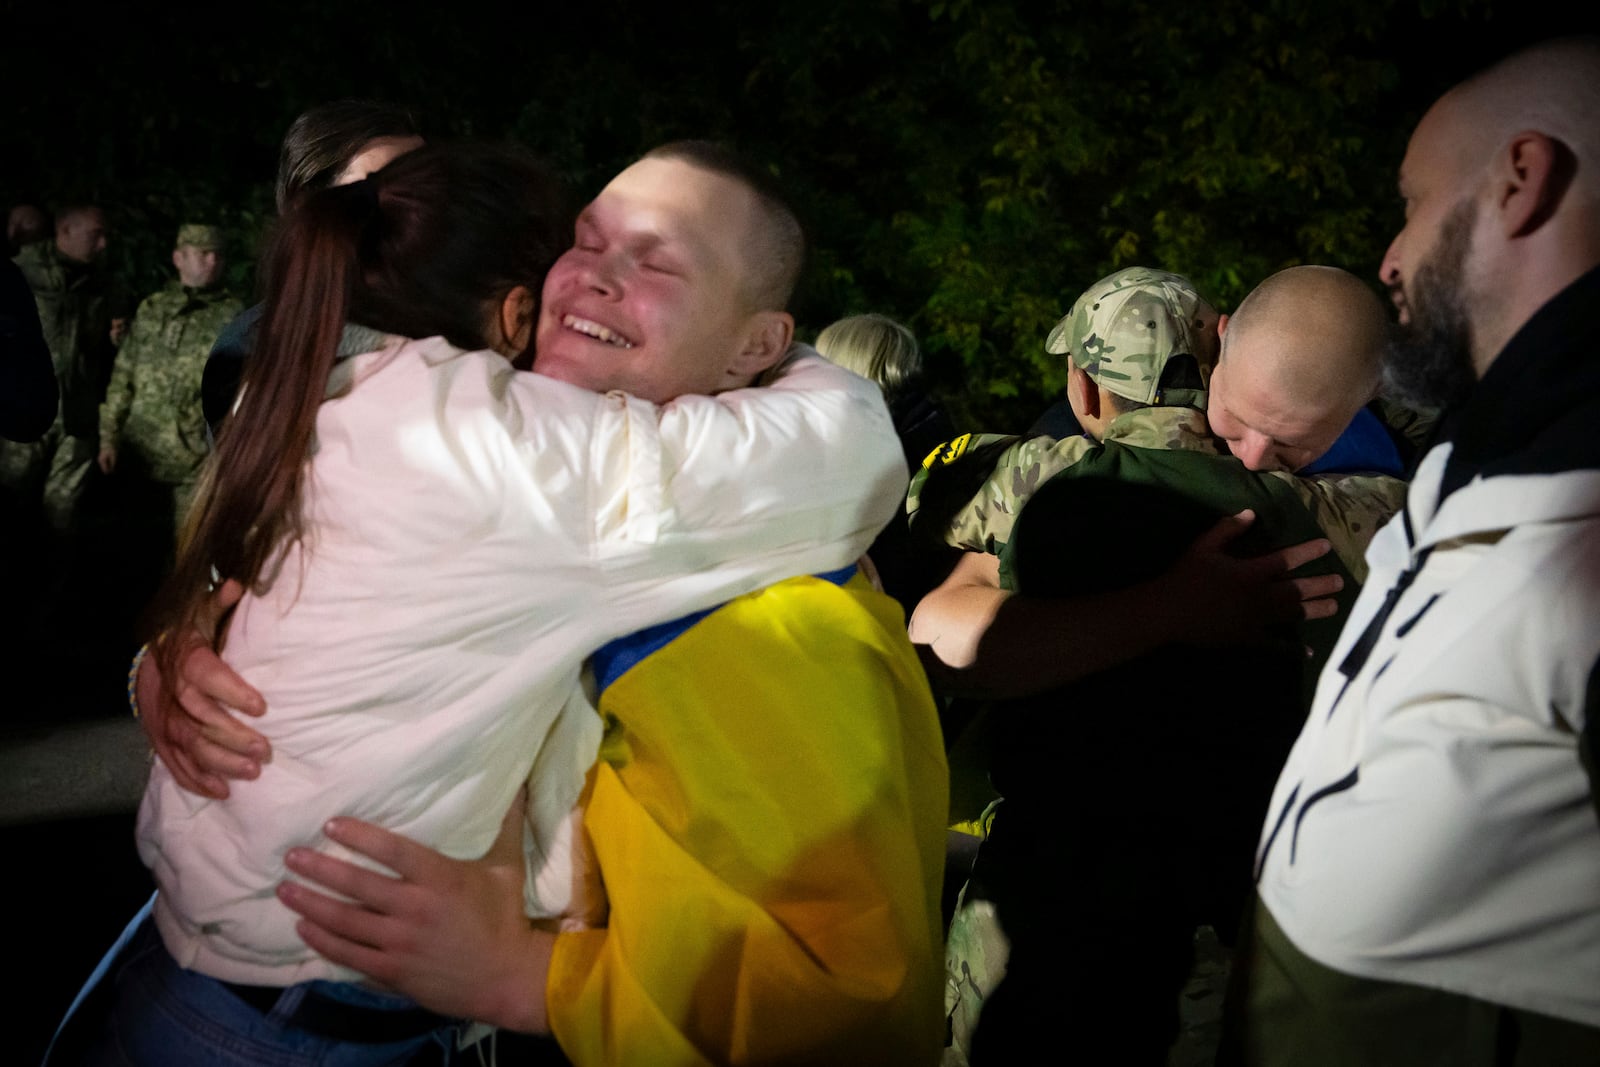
(948, 452)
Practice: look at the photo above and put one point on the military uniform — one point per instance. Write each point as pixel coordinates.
(1173, 766)
(152, 414)
(75, 302)
(1348, 508)
(151, 428)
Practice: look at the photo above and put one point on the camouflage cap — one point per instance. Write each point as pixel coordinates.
(1125, 327)
(201, 236)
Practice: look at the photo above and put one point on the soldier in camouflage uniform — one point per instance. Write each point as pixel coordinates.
(1142, 345)
(74, 295)
(152, 428)
(1348, 509)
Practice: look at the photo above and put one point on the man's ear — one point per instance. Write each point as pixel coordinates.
(1087, 398)
(1532, 174)
(515, 321)
(768, 335)
(1222, 325)
(175, 258)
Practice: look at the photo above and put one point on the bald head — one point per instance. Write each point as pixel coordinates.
(1300, 357)
(1501, 182)
(1552, 88)
(81, 233)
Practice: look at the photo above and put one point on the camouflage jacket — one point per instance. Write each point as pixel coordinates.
(152, 413)
(1348, 508)
(75, 314)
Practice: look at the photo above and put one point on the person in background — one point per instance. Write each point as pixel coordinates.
(1293, 391)
(1428, 869)
(1341, 422)
(151, 426)
(153, 437)
(1123, 683)
(74, 295)
(25, 224)
(29, 397)
(883, 351)
(61, 508)
(29, 392)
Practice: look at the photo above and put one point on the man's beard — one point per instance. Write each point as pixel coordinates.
(1428, 362)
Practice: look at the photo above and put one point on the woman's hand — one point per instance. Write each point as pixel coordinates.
(449, 934)
(191, 724)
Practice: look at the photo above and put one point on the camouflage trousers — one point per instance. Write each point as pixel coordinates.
(975, 952)
(50, 474)
(975, 955)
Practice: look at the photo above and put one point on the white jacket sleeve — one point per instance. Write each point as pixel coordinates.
(708, 497)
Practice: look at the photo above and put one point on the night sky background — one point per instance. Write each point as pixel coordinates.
(967, 167)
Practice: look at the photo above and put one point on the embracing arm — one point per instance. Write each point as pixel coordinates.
(191, 720)
(814, 455)
(982, 640)
(450, 934)
(705, 498)
(1350, 509)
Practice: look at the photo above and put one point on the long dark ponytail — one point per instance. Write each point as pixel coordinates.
(427, 246)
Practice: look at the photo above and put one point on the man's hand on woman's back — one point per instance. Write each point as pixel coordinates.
(192, 723)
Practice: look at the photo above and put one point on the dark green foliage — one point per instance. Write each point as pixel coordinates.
(967, 167)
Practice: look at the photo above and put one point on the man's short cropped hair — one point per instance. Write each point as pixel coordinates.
(774, 270)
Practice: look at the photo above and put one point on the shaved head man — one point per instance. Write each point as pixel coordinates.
(676, 281)
(1428, 874)
(1300, 357)
(81, 234)
(1456, 313)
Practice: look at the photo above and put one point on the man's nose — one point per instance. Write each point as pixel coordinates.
(600, 276)
(1389, 267)
(1254, 451)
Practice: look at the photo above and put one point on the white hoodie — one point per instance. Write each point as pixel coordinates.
(1433, 824)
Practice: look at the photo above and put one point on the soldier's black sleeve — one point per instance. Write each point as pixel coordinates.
(29, 394)
(219, 383)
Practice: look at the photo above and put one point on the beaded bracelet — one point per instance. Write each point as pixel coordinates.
(133, 678)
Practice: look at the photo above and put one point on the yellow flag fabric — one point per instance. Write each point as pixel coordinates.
(768, 816)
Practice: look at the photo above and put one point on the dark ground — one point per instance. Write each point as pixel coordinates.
(68, 793)
(72, 767)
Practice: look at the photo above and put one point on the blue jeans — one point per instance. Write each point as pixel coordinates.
(140, 1008)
